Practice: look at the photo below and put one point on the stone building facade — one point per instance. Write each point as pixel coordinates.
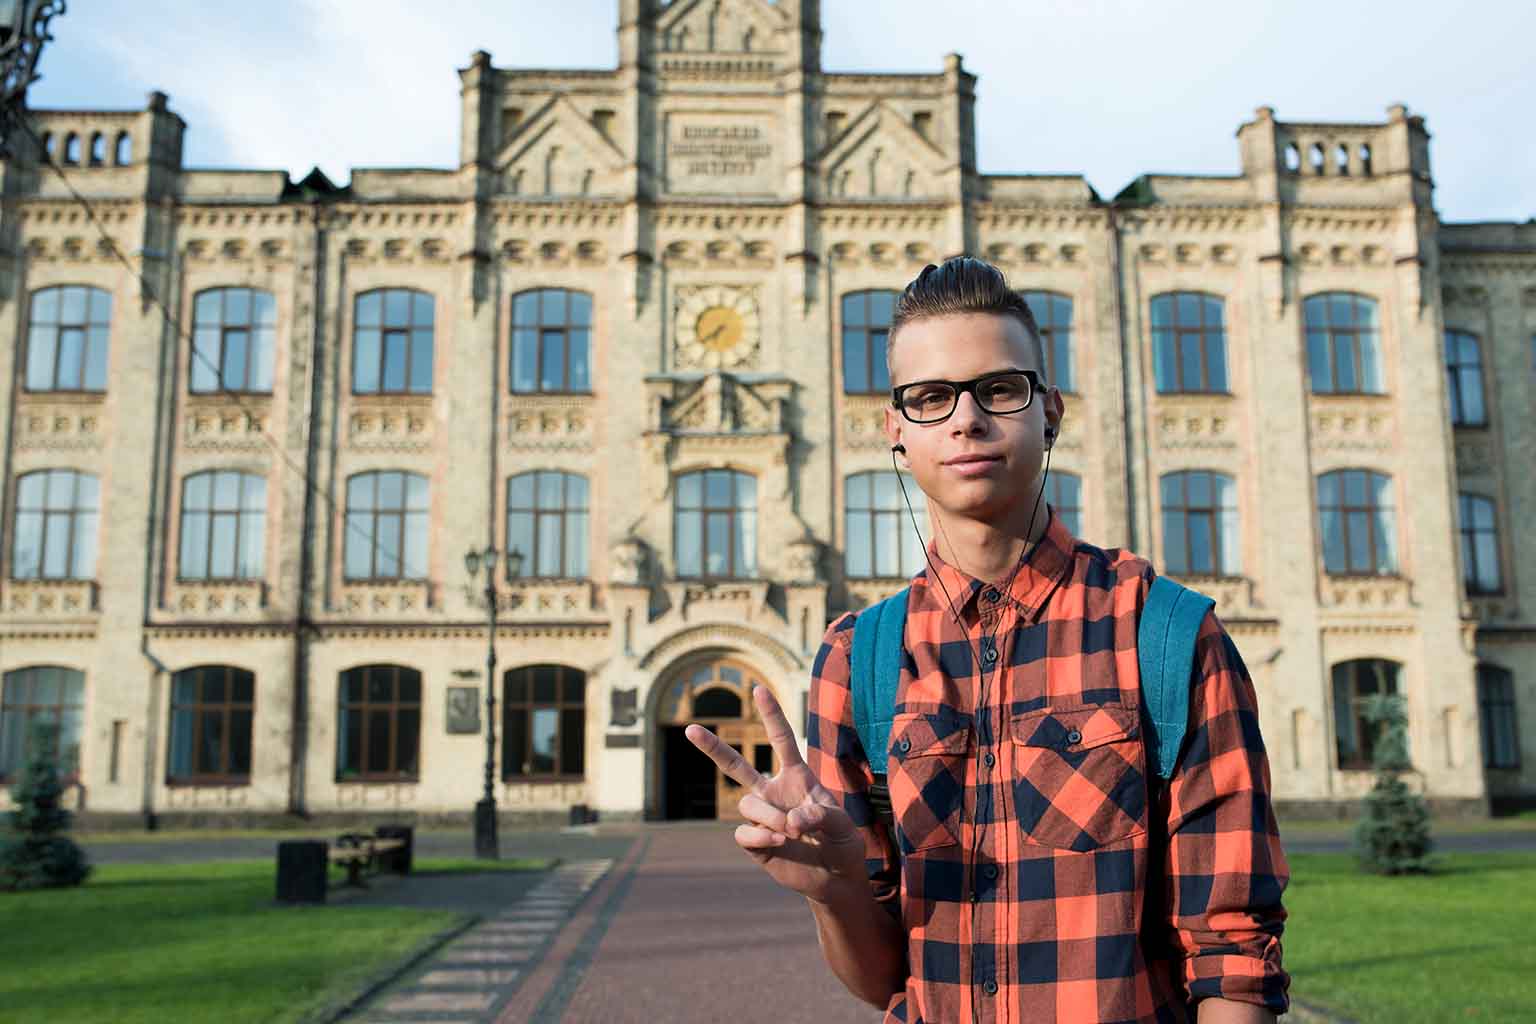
(635, 333)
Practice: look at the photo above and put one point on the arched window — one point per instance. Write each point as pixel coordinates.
(1053, 315)
(1365, 158)
(98, 150)
(880, 540)
(71, 149)
(392, 343)
(378, 734)
(544, 723)
(386, 528)
(1341, 159)
(1319, 161)
(1479, 545)
(1354, 683)
(1497, 715)
(46, 693)
(1200, 527)
(123, 156)
(67, 339)
(866, 328)
(1355, 510)
(1464, 379)
(547, 521)
(1189, 340)
(56, 522)
(211, 708)
(715, 517)
(551, 341)
(1343, 344)
(223, 526)
(232, 332)
(48, 144)
(1064, 494)
(1292, 158)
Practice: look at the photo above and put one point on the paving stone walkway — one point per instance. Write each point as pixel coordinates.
(471, 978)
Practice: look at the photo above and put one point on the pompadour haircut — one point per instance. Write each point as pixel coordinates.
(962, 285)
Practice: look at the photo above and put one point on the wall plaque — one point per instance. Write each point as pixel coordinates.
(625, 707)
(719, 152)
(463, 709)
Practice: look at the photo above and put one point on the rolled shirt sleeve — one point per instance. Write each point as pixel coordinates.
(1226, 870)
(837, 759)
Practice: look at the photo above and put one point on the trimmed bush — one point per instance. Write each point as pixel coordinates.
(39, 855)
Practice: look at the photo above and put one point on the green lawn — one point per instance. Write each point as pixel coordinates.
(197, 942)
(1454, 946)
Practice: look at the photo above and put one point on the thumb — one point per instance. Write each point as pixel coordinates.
(829, 824)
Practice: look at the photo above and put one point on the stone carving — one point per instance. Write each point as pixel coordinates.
(225, 426)
(1351, 425)
(802, 561)
(550, 423)
(628, 561)
(625, 707)
(882, 155)
(223, 599)
(463, 710)
(51, 599)
(721, 404)
(403, 597)
(59, 426)
(391, 427)
(1367, 594)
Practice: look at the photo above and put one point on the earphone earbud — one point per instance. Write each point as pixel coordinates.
(899, 448)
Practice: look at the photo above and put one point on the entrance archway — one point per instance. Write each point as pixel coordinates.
(717, 694)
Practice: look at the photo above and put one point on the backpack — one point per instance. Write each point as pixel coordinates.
(1165, 653)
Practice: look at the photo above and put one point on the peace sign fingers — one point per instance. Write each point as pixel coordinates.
(779, 733)
(725, 757)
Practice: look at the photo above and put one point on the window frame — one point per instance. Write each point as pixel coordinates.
(1221, 517)
(1507, 704)
(1058, 338)
(573, 520)
(75, 534)
(261, 340)
(567, 328)
(29, 710)
(405, 514)
(385, 330)
(874, 514)
(530, 703)
(1457, 371)
(241, 513)
(1358, 338)
(87, 329)
(1376, 524)
(863, 326)
(1172, 332)
(735, 514)
(1360, 734)
(1468, 534)
(198, 710)
(394, 707)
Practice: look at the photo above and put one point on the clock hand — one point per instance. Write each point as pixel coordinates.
(711, 335)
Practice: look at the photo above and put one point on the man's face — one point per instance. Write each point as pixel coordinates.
(974, 464)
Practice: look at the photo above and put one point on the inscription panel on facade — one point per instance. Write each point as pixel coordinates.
(717, 153)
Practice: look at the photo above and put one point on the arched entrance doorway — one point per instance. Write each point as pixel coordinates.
(717, 694)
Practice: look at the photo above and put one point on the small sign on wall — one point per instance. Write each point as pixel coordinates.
(463, 709)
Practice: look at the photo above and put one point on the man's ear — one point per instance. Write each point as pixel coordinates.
(893, 435)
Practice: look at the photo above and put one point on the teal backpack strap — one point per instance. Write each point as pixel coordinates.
(875, 672)
(1165, 653)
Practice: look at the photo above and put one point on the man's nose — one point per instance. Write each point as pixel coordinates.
(968, 417)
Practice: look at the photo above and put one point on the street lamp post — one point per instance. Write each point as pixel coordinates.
(487, 846)
(23, 31)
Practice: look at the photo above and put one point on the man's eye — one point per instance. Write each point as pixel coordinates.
(1004, 390)
(928, 398)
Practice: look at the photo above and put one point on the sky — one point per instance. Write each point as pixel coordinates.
(1108, 89)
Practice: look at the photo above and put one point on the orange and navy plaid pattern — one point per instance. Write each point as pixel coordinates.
(1044, 873)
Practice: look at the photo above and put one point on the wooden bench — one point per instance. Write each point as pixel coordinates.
(303, 864)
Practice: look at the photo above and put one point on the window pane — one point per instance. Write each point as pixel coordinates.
(887, 491)
(41, 345)
(1341, 310)
(358, 557)
(397, 308)
(858, 555)
(515, 751)
(1487, 563)
(689, 553)
(222, 558)
(391, 490)
(525, 309)
(690, 489)
(1370, 364)
(194, 545)
(581, 379)
(421, 361)
(552, 361)
(394, 361)
(855, 365)
(71, 356)
(1333, 540)
(407, 740)
(1231, 559)
(378, 741)
(576, 545)
(1189, 363)
(265, 312)
(546, 684)
(26, 556)
(554, 306)
(73, 310)
(887, 546)
(239, 743)
(1359, 533)
(387, 558)
(572, 741)
(370, 309)
(95, 375)
(1201, 555)
(549, 545)
(746, 491)
(525, 359)
(237, 306)
(56, 547)
(415, 556)
(882, 306)
(1386, 542)
(210, 751)
(581, 309)
(546, 727)
(365, 362)
(517, 686)
(421, 309)
(746, 544)
(1188, 309)
(717, 489)
(1164, 360)
(1173, 541)
(1216, 361)
(520, 537)
(573, 686)
(717, 543)
(1344, 358)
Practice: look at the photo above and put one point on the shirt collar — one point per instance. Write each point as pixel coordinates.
(1047, 564)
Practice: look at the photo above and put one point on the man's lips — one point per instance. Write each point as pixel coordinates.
(972, 459)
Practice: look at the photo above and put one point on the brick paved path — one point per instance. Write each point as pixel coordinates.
(683, 928)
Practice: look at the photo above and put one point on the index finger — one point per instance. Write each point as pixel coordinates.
(779, 733)
(725, 756)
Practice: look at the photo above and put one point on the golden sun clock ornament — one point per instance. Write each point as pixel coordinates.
(718, 328)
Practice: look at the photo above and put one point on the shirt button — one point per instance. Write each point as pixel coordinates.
(988, 760)
(989, 654)
(990, 870)
(905, 744)
(991, 596)
(989, 987)
(1074, 737)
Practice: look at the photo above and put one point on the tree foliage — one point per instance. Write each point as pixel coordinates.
(1392, 837)
(38, 854)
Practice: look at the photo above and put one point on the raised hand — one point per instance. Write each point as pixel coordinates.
(796, 829)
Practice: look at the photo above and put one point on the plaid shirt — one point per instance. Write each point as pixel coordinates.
(1040, 877)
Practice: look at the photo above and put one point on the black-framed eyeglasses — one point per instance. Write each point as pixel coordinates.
(933, 401)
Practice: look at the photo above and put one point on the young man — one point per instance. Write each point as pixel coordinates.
(1039, 871)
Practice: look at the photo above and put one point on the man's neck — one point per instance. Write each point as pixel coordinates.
(989, 551)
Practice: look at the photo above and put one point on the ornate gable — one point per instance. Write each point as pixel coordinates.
(557, 152)
(721, 26)
(721, 404)
(881, 156)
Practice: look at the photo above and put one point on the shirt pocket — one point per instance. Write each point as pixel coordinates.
(927, 778)
(1079, 776)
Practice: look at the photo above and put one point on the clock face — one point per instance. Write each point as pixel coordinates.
(717, 328)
